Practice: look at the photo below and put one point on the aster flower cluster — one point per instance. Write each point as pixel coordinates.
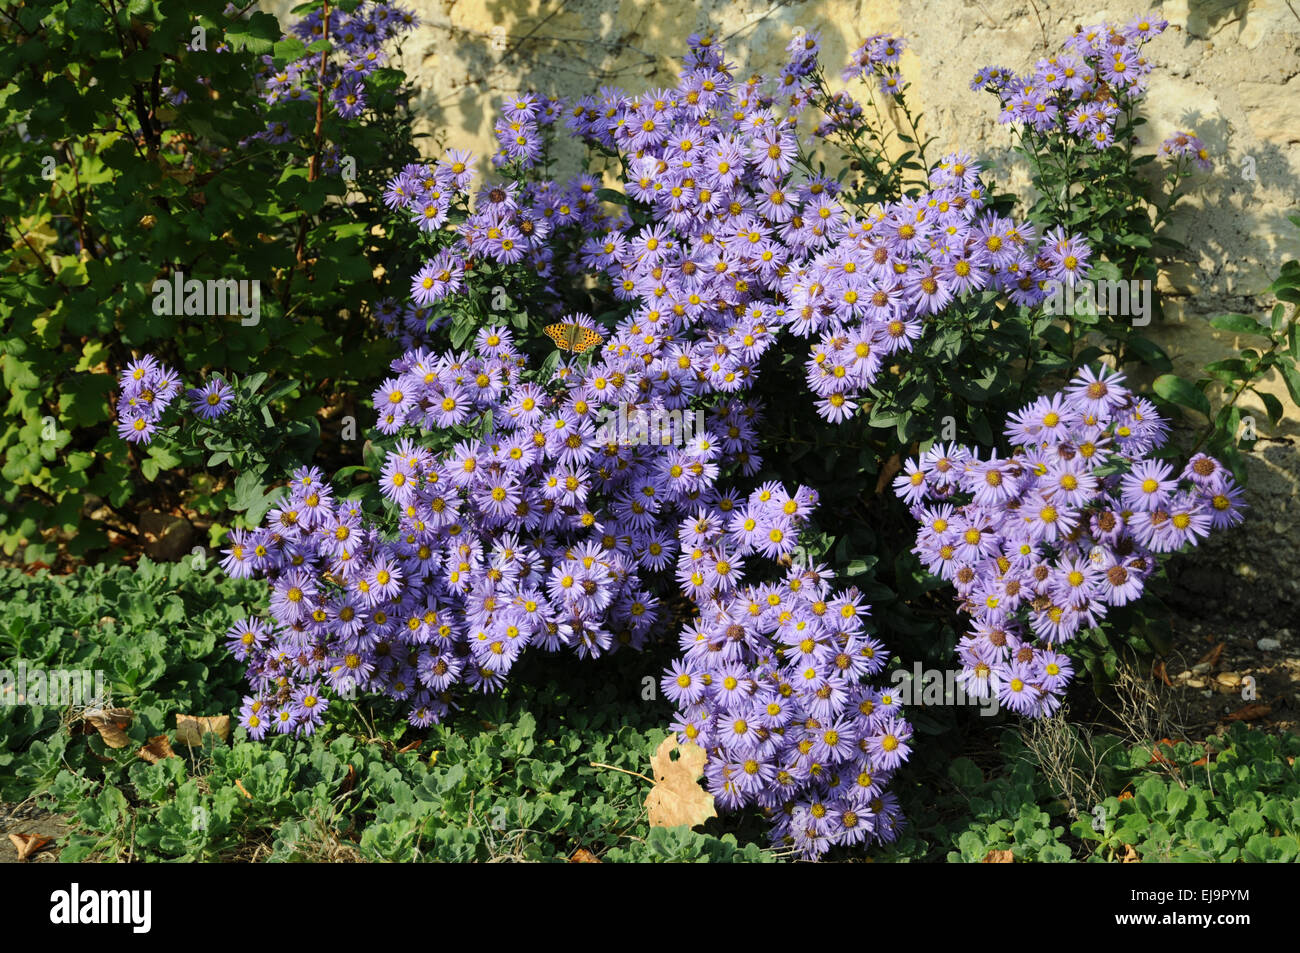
(539, 533)
(739, 242)
(148, 388)
(878, 58)
(1184, 146)
(1041, 544)
(511, 224)
(520, 128)
(357, 42)
(772, 683)
(1081, 91)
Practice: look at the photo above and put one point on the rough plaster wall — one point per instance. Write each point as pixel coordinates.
(1230, 71)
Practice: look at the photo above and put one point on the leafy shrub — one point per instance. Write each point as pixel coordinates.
(163, 144)
(1233, 798)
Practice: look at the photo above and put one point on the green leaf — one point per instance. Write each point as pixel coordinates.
(1176, 390)
(1238, 324)
(1272, 406)
(1292, 379)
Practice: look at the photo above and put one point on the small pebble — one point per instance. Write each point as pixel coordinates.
(1201, 668)
(1268, 645)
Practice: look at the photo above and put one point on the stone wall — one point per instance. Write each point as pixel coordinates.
(1229, 71)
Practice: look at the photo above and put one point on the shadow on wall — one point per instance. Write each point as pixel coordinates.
(1206, 16)
(572, 48)
(1239, 176)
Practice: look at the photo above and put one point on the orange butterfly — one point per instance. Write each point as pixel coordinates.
(570, 336)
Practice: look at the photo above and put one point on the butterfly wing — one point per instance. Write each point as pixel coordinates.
(587, 339)
(573, 337)
(556, 332)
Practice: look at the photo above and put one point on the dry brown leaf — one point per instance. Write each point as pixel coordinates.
(411, 747)
(583, 856)
(1157, 757)
(28, 844)
(1212, 657)
(1251, 712)
(999, 857)
(239, 784)
(1158, 671)
(1130, 855)
(110, 723)
(887, 472)
(677, 797)
(191, 729)
(157, 749)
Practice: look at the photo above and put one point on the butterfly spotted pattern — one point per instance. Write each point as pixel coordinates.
(569, 336)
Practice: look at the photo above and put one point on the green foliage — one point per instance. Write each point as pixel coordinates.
(1240, 803)
(547, 768)
(1120, 203)
(109, 186)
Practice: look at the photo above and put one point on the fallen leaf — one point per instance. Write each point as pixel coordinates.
(1158, 671)
(239, 784)
(158, 749)
(583, 856)
(1251, 712)
(677, 797)
(1130, 855)
(28, 844)
(191, 729)
(1125, 796)
(411, 747)
(110, 723)
(887, 472)
(1156, 756)
(1211, 657)
(999, 857)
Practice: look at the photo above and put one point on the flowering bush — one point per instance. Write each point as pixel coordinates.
(1040, 544)
(821, 326)
(1076, 118)
(535, 528)
(512, 517)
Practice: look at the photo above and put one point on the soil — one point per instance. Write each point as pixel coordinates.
(27, 819)
(1219, 673)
